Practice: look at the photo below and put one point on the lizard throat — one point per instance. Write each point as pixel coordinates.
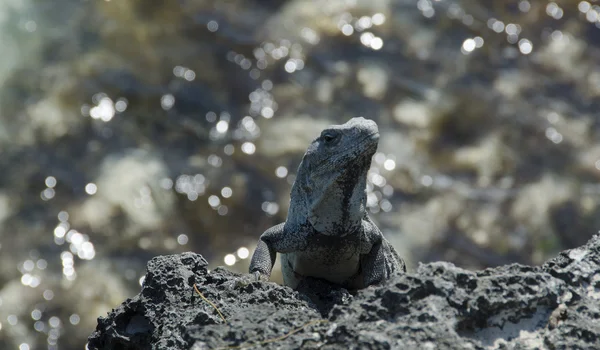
(338, 208)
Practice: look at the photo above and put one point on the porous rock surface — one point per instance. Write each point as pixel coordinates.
(439, 306)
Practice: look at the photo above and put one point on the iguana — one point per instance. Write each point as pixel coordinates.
(327, 233)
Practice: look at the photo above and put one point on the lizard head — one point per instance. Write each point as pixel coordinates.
(330, 187)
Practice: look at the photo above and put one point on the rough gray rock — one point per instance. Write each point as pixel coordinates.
(554, 306)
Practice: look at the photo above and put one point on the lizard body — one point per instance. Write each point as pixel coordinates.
(327, 233)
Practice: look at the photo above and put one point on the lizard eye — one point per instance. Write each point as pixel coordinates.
(329, 137)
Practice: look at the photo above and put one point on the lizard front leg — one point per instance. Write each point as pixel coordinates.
(382, 261)
(278, 239)
(265, 254)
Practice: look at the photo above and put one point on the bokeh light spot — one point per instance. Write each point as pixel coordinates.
(214, 201)
(182, 239)
(167, 101)
(347, 29)
(281, 172)
(248, 148)
(74, 319)
(525, 46)
(426, 180)
(50, 181)
(226, 192)
(212, 26)
(54, 322)
(47, 194)
(36, 314)
(468, 45)
(222, 126)
(91, 188)
(378, 19)
(243, 253)
(229, 259)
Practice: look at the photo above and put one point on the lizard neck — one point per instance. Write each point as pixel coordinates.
(336, 207)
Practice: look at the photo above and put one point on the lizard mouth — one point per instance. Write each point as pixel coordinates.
(374, 136)
(369, 139)
(367, 144)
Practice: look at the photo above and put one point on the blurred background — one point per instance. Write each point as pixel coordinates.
(130, 129)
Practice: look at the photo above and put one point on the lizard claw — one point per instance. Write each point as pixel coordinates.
(260, 276)
(251, 277)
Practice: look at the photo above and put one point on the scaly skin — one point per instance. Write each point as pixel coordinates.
(327, 233)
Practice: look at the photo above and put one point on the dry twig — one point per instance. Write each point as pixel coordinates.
(209, 302)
